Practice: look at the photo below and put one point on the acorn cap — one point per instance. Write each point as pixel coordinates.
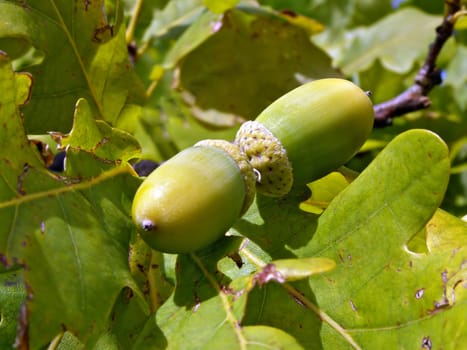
(269, 158)
(321, 124)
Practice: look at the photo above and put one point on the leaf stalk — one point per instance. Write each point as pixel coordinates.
(230, 316)
(130, 32)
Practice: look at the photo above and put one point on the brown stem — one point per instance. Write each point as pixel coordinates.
(415, 97)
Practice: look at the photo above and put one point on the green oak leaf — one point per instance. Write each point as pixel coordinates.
(213, 292)
(323, 192)
(71, 236)
(445, 232)
(83, 56)
(16, 89)
(200, 296)
(297, 269)
(98, 137)
(380, 293)
(220, 6)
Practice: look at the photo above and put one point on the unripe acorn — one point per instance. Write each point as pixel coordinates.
(191, 200)
(307, 133)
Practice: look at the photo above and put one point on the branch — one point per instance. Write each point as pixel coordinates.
(415, 97)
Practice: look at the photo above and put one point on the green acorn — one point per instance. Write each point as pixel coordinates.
(191, 200)
(307, 133)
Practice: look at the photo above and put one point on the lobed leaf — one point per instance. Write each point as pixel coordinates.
(70, 236)
(323, 192)
(370, 299)
(83, 56)
(97, 137)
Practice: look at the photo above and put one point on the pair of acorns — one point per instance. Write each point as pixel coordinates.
(192, 199)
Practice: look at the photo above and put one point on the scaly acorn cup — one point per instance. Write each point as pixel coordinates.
(307, 133)
(191, 200)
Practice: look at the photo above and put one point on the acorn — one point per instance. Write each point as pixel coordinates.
(305, 134)
(193, 198)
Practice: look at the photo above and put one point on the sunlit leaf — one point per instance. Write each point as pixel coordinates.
(310, 25)
(206, 25)
(220, 6)
(84, 56)
(70, 236)
(446, 232)
(323, 191)
(97, 137)
(16, 90)
(365, 229)
(283, 270)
